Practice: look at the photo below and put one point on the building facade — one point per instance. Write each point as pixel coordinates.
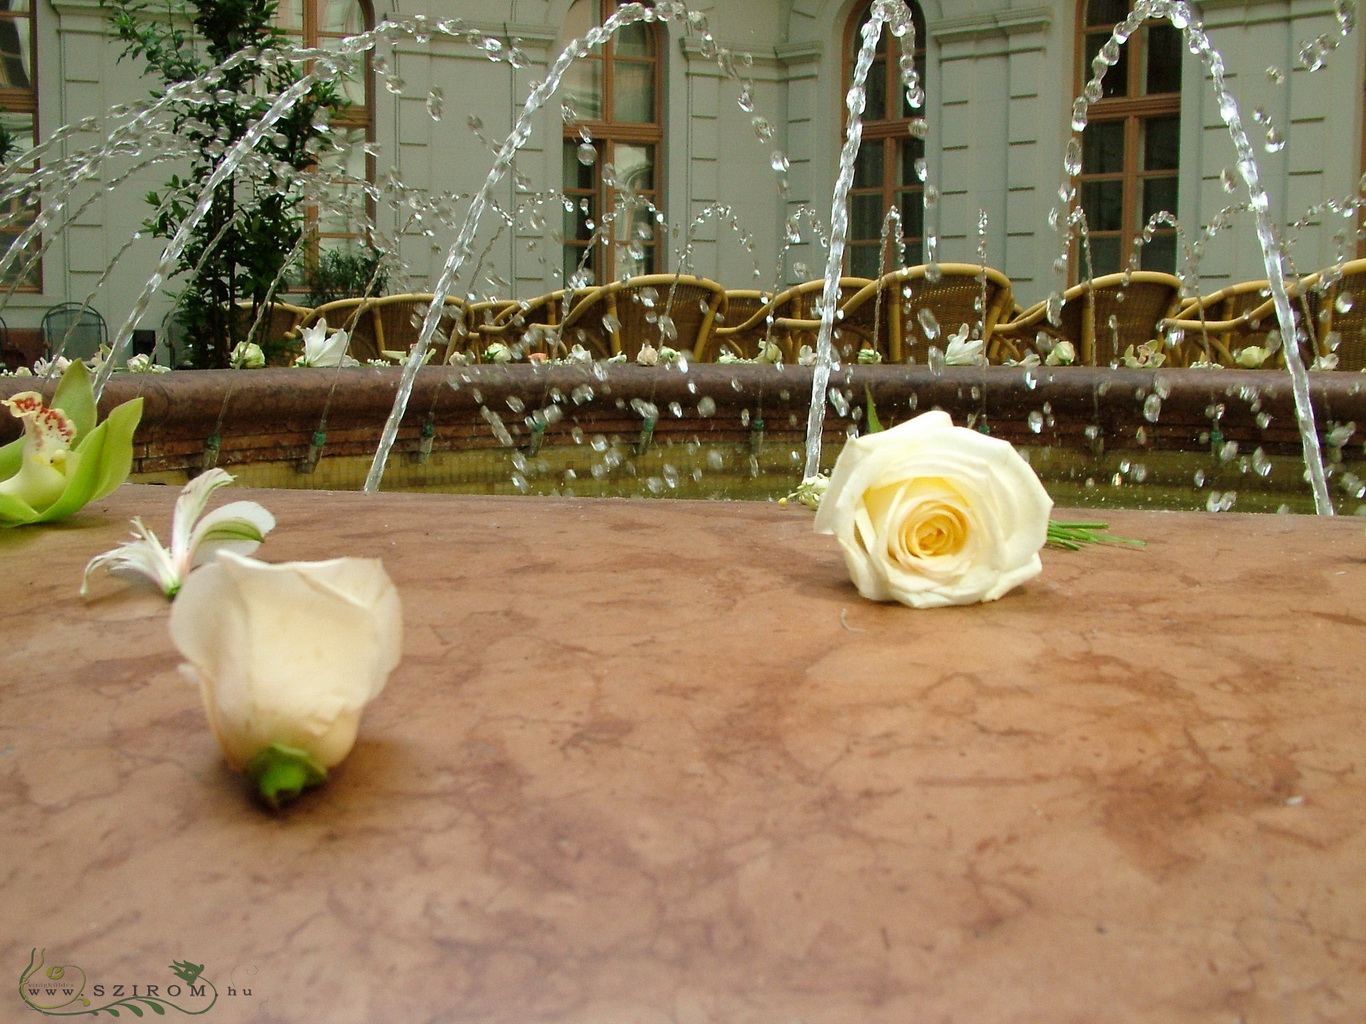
(715, 147)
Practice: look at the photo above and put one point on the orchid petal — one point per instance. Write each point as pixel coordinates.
(189, 506)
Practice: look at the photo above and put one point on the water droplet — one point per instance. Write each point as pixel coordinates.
(763, 128)
(779, 162)
(1343, 303)
(587, 154)
(746, 100)
(1275, 141)
(435, 103)
(1275, 75)
(1035, 421)
(1152, 408)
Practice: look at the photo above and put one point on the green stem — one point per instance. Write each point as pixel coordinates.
(1073, 535)
(281, 773)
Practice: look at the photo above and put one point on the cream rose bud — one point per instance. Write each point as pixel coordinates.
(930, 514)
(288, 653)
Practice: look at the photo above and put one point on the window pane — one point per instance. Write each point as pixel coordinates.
(1104, 204)
(1160, 254)
(1106, 12)
(582, 88)
(289, 15)
(875, 92)
(1163, 52)
(341, 17)
(868, 166)
(635, 167)
(17, 214)
(913, 215)
(633, 92)
(1161, 141)
(1105, 258)
(577, 175)
(911, 151)
(865, 216)
(1103, 148)
(1158, 194)
(1116, 81)
(863, 260)
(15, 59)
(634, 41)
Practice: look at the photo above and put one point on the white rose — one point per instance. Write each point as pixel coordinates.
(930, 514)
(288, 653)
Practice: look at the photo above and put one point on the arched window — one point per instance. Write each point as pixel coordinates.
(1131, 145)
(19, 120)
(888, 171)
(324, 24)
(614, 93)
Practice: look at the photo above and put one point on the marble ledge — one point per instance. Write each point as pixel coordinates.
(651, 762)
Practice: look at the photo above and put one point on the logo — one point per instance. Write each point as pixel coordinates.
(61, 991)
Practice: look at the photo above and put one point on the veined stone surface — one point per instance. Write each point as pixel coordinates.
(658, 762)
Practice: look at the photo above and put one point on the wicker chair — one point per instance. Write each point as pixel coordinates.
(1222, 324)
(622, 316)
(521, 325)
(1339, 314)
(1101, 317)
(785, 319)
(274, 326)
(890, 315)
(741, 305)
(389, 326)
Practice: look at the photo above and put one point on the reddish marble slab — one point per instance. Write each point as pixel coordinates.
(651, 762)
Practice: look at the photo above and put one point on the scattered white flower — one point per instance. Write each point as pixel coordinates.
(459, 359)
(247, 355)
(1030, 359)
(143, 363)
(869, 356)
(962, 352)
(579, 354)
(669, 355)
(728, 358)
(1252, 357)
(1146, 356)
(322, 349)
(1206, 364)
(806, 356)
(769, 352)
(620, 357)
(647, 356)
(239, 526)
(50, 367)
(497, 352)
(809, 492)
(285, 658)
(1063, 353)
(1327, 361)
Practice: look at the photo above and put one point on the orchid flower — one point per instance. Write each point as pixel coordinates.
(239, 526)
(320, 349)
(1252, 357)
(64, 459)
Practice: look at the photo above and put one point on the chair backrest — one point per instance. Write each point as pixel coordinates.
(172, 347)
(389, 324)
(73, 330)
(796, 314)
(740, 331)
(273, 326)
(1110, 313)
(911, 309)
(1339, 315)
(676, 310)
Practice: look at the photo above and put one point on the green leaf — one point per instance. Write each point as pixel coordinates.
(874, 424)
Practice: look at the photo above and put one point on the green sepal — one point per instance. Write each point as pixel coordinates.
(102, 462)
(280, 773)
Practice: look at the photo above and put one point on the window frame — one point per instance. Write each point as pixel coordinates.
(606, 134)
(24, 102)
(1134, 109)
(889, 133)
